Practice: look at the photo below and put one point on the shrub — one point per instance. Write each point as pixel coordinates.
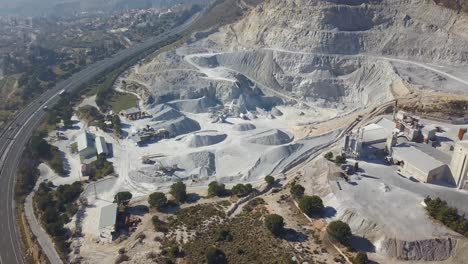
(123, 197)
(224, 235)
(449, 216)
(157, 200)
(340, 231)
(269, 180)
(297, 191)
(121, 258)
(329, 156)
(340, 159)
(275, 223)
(159, 225)
(215, 256)
(179, 191)
(216, 189)
(361, 258)
(311, 205)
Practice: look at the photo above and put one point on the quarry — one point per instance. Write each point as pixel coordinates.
(272, 93)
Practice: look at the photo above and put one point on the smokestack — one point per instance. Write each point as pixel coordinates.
(461, 133)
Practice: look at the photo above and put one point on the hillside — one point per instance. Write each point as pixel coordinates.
(330, 57)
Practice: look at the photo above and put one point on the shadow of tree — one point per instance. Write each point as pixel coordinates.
(292, 235)
(329, 212)
(138, 210)
(192, 198)
(361, 244)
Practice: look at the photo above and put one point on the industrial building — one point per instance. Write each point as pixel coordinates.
(459, 163)
(368, 142)
(107, 221)
(423, 162)
(101, 146)
(89, 147)
(86, 147)
(133, 113)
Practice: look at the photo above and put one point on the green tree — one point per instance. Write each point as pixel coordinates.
(40, 148)
(297, 191)
(340, 231)
(311, 205)
(269, 180)
(179, 191)
(275, 223)
(329, 156)
(217, 189)
(123, 197)
(215, 256)
(157, 200)
(241, 190)
(361, 258)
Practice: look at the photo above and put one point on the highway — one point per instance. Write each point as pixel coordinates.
(16, 134)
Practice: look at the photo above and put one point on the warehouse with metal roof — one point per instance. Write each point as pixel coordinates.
(423, 162)
(107, 221)
(101, 146)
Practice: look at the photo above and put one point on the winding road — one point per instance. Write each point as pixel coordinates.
(16, 134)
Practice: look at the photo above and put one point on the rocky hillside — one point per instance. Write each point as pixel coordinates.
(418, 28)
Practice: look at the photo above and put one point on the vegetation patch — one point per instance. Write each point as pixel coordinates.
(100, 168)
(55, 206)
(242, 239)
(195, 217)
(122, 101)
(439, 210)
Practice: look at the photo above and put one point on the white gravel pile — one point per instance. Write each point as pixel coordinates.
(270, 137)
(200, 105)
(244, 127)
(179, 126)
(202, 140)
(166, 114)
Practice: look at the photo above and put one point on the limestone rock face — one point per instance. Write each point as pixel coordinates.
(417, 28)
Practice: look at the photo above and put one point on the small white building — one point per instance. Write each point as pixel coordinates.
(107, 221)
(101, 146)
(85, 146)
(423, 162)
(459, 164)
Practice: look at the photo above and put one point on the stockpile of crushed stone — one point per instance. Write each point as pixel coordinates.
(193, 164)
(268, 161)
(166, 114)
(179, 126)
(270, 137)
(200, 105)
(276, 112)
(201, 140)
(244, 127)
